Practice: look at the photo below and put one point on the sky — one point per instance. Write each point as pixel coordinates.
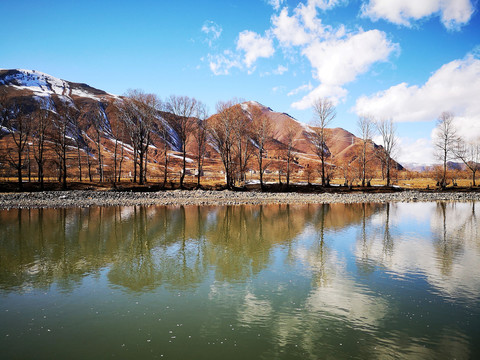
(405, 60)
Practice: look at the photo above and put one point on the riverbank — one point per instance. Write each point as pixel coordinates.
(85, 198)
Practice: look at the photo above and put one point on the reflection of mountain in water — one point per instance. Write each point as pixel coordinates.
(149, 246)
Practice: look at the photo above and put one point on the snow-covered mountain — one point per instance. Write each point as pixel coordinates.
(40, 84)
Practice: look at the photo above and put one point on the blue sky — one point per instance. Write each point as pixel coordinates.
(408, 60)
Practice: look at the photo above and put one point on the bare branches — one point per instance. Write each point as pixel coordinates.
(222, 132)
(182, 109)
(445, 139)
(261, 133)
(325, 113)
(365, 125)
(288, 151)
(387, 130)
(200, 134)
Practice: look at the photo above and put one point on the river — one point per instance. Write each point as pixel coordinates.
(360, 281)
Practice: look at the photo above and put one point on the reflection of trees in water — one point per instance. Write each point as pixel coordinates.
(149, 246)
(368, 234)
(364, 264)
(320, 250)
(450, 234)
(388, 243)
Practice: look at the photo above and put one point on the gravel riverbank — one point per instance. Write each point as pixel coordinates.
(77, 198)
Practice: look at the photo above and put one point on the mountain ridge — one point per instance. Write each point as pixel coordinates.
(36, 88)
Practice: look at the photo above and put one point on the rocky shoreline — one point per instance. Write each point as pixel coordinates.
(80, 198)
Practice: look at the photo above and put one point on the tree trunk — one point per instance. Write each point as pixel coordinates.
(135, 164)
(288, 173)
(182, 175)
(115, 161)
(64, 170)
(79, 163)
(19, 170)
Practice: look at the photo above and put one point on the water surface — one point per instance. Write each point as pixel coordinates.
(261, 282)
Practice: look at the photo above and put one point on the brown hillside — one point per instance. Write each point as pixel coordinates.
(30, 90)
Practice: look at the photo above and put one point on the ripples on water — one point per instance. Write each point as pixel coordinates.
(280, 281)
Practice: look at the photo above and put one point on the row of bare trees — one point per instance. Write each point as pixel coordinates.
(449, 146)
(238, 135)
(368, 126)
(52, 128)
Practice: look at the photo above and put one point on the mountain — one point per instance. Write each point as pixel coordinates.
(31, 90)
(40, 85)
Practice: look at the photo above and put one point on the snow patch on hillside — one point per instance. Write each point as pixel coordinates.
(43, 85)
(39, 83)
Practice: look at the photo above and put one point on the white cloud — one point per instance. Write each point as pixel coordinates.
(453, 13)
(339, 61)
(280, 70)
(279, 89)
(212, 31)
(418, 151)
(289, 30)
(334, 92)
(454, 87)
(222, 63)
(300, 89)
(336, 56)
(275, 3)
(254, 46)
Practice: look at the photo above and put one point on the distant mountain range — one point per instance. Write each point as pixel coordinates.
(33, 89)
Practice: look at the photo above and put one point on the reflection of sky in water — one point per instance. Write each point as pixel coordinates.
(435, 241)
(366, 281)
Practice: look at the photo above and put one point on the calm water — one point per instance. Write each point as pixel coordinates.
(246, 282)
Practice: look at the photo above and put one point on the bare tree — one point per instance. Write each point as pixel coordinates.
(243, 145)
(324, 111)
(308, 170)
(118, 132)
(164, 134)
(41, 125)
(288, 150)
(79, 142)
(343, 167)
(200, 134)
(20, 127)
(66, 113)
(365, 125)
(262, 132)
(444, 142)
(151, 106)
(182, 109)
(469, 153)
(98, 121)
(222, 131)
(139, 111)
(387, 131)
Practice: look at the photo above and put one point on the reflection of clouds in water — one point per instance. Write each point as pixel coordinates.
(346, 300)
(254, 311)
(447, 257)
(451, 345)
(454, 218)
(126, 212)
(401, 213)
(335, 293)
